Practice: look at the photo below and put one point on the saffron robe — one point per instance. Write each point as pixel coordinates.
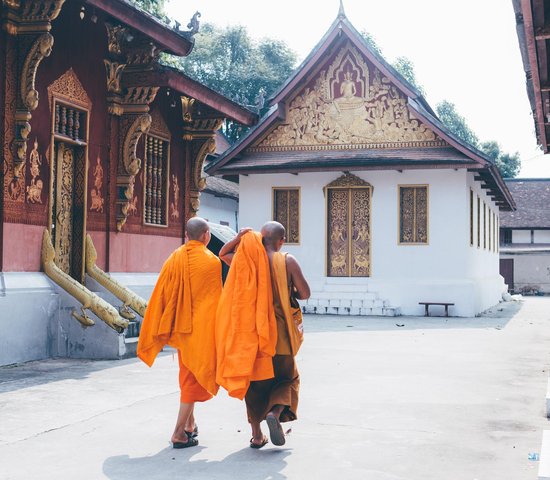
(181, 312)
(246, 329)
(284, 387)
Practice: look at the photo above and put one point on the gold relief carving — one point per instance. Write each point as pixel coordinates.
(68, 87)
(158, 125)
(349, 105)
(116, 36)
(114, 74)
(15, 189)
(131, 164)
(348, 227)
(174, 211)
(22, 132)
(413, 214)
(194, 202)
(130, 299)
(34, 190)
(208, 147)
(88, 299)
(64, 204)
(360, 232)
(135, 100)
(40, 49)
(31, 16)
(338, 227)
(141, 125)
(95, 192)
(187, 108)
(348, 180)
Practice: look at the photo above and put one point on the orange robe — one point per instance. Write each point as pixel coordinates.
(181, 313)
(246, 329)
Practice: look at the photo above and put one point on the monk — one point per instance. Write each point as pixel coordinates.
(181, 313)
(275, 399)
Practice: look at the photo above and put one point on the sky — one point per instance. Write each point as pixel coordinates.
(466, 52)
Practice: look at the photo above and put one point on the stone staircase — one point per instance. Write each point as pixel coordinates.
(336, 298)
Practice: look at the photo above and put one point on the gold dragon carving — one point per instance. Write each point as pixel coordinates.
(130, 299)
(88, 299)
(351, 105)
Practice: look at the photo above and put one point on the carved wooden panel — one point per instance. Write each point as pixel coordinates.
(338, 232)
(360, 232)
(413, 214)
(63, 207)
(286, 211)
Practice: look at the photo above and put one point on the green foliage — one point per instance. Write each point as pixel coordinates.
(508, 164)
(231, 63)
(154, 7)
(456, 123)
(406, 68)
(372, 43)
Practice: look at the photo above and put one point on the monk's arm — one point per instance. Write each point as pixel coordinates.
(228, 250)
(299, 283)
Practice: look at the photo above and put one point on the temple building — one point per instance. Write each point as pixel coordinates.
(102, 151)
(383, 206)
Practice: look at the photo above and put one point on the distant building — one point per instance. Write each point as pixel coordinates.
(525, 237)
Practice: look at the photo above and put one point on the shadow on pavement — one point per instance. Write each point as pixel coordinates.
(169, 463)
(495, 317)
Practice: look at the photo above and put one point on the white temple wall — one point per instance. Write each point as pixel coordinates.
(446, 269)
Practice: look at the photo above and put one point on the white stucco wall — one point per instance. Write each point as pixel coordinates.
(531, 270)
(447, 269)
(541, 236)
(521, 236)
(218, 209)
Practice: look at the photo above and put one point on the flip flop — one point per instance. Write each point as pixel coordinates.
(191, 442)
(258, 445)
(275, 430)
(194, 433)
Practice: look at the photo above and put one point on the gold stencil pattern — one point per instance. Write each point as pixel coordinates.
(350, 104)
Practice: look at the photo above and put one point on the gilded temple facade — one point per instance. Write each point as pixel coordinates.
(383, 206)
(102, 149)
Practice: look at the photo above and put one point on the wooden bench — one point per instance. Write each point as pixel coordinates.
(427, 304)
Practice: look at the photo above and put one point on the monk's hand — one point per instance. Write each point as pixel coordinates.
(242, 231)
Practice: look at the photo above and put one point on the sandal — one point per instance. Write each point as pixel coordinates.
(275, 430)
(258, 445)
(191, 442)
(194, 433)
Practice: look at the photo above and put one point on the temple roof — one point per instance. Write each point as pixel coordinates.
(533, 30)
(176, 42)
(165, 76)
(345, 108)
(532, 196)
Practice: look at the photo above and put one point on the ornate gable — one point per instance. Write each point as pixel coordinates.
(68, 87)
(349, 105)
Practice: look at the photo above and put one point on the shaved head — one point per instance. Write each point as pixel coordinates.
(196, 227)
(272, 233)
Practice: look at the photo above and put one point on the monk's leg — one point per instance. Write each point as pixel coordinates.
(179, 435)
(256, 400)
(283, 397)
(190, 392)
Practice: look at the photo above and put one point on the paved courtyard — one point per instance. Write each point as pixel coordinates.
(381, 398)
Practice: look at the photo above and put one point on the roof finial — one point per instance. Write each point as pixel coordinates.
(341, 13)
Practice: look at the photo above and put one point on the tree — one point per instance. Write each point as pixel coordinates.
(231, 63)
(406, 68)
(455, 122)
(154, 7)
(508, 164)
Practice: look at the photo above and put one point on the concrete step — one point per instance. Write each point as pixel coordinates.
(544, 459)
(385, 310)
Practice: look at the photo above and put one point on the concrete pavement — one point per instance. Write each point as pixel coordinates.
(436, 398)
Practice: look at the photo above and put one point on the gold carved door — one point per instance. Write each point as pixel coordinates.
(68, 198)
(348, 232)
